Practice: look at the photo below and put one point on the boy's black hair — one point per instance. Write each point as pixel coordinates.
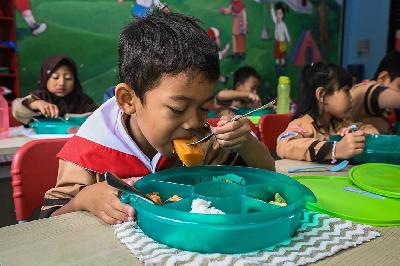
(164, 44)
(243, 73)
(283, 7)
(329, 76)
(391, 64)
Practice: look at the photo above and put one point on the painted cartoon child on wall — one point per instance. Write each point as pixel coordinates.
(282, 37)
(144, 7)
(240, 29)
(214, 35)
(24, 7)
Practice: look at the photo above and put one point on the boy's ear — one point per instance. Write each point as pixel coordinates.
(126, 98)
(383, 78)
(320, 94)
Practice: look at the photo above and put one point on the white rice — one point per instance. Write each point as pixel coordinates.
(203, 206)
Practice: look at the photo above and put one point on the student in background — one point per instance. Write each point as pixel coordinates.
(246, 81)
(324, 105)
(163, 95)
(59, 93)
(371, 99)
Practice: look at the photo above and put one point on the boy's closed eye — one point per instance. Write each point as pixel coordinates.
(177, 110)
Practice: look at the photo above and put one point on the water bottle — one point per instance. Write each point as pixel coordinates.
(4, 119)
(283, 95)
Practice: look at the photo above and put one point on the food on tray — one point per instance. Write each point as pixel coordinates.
(155, 196)
(203, 206)
(278, 200)
(189, 155)
(174, 198)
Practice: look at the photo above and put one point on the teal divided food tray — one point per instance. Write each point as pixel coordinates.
(250, 222)
(56, 126)
(337, 196)
(378, 149)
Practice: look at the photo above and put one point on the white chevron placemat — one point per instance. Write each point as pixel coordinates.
(319, 236)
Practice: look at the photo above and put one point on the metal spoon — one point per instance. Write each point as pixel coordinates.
(265, 106)
(116, 182)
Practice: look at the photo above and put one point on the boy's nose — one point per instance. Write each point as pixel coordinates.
(194, 122)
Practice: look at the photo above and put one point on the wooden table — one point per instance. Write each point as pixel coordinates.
(81, 238)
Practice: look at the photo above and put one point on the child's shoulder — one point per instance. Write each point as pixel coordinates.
(303, 124)
(363, 86)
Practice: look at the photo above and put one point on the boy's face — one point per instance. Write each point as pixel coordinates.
(393, 84)
(251, 84)
(175, 108)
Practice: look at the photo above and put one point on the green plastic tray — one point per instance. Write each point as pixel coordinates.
(382, 179)
(378, 149)
(250, 222)
(56, 126)
(337, 196)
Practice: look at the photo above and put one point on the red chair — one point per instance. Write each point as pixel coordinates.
(34, 171)
(270, 126)
(214, 121)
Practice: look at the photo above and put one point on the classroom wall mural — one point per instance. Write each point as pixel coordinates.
(275, 37)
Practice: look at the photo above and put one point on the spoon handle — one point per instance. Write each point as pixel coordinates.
(117, 183)
(270, 104)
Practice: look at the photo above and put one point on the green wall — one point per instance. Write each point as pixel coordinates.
(87, 30)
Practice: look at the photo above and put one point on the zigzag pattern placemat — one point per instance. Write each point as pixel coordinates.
(319, 236)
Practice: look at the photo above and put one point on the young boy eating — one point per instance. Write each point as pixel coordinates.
(168, 68)
(246, 81)
(370, 99)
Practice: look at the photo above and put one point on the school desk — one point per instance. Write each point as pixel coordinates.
(82, 239)
(8, 146)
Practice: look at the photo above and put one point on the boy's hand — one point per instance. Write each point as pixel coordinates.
(232, 135)
(46, 108)
(102, 200)
(351, 145)
(253, 97)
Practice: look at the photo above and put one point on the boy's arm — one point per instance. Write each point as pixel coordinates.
(256, 154)
(229, 95)
(389, 98)
(78, 189)
(71, 180)
(236, 136)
